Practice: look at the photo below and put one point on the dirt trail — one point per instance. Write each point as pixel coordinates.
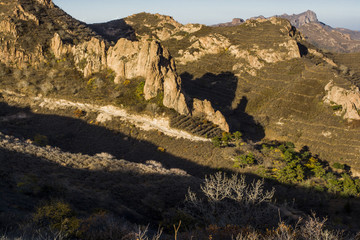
(106, 113)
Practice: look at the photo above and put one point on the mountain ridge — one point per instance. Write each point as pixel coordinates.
(318, 33)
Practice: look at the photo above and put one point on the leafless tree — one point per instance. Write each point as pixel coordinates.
(230, 200)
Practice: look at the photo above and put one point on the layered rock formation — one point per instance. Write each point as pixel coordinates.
(47, 3)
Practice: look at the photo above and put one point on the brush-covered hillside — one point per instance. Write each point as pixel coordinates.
(266, 80)
(144, 128)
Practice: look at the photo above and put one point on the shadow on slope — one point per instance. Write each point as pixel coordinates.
(77, 136)
(220, 90)
(114, 30)
(238, 119)
(137, 196)
(29, 181)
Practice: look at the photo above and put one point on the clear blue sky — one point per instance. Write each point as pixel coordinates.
(336, 13)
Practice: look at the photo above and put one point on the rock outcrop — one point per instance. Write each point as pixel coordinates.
(129, 59)
(347, 101)
(210, 44)
(205, 109)
(159, 26)
(252, 60)
(151, 61)
(89, 56)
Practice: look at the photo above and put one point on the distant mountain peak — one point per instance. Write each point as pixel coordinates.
(298, 20)
(234, 22)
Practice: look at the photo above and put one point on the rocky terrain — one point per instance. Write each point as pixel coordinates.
(111, 123)
(264, 87)
(91, 54)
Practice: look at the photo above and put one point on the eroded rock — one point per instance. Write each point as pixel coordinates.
(348, 99)
(148, 59)
(211, 44)
(205, 109)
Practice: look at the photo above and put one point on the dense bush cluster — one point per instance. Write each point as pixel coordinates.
(227, 139)
(301, 167)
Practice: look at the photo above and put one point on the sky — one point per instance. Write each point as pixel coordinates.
(336, 13)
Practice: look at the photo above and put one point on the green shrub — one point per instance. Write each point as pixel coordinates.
(226, 137)
(332, 183)
(288, 155)
(244, 160)
(216, 141)
(316, 167)
(300, 173)
(139, 91)
(349, 186)
(59, 216)
(289, 173)
(237, 138)
(337, 107)
(338, 166)
(319, 170)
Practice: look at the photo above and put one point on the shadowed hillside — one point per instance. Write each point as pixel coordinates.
(280, 89)
(217, 131)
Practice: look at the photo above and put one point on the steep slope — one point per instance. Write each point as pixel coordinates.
(326, 37)
(63, 43)
(268, 82)
(353, 34)
(126, 71)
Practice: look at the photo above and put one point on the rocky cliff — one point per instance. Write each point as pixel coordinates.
(152, 62)
(57, 36)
